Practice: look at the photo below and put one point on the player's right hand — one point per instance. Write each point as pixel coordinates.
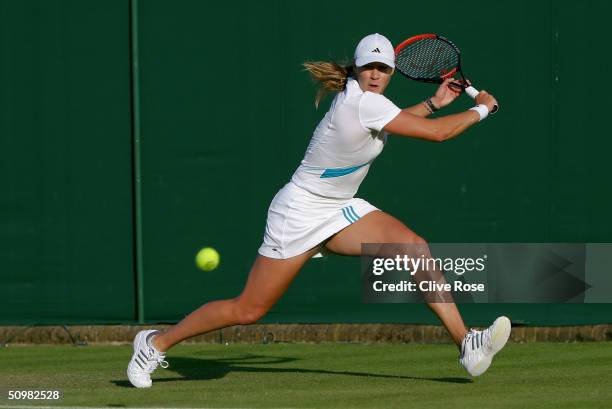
(487, 99)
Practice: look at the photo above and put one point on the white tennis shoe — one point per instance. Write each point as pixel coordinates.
(479, 347)
(144, 361)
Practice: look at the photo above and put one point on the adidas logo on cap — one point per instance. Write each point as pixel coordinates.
(376, 50)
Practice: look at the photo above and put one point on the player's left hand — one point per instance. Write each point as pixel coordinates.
(446, 93)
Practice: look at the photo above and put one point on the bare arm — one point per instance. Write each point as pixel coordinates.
(440, 129)
(418, 110)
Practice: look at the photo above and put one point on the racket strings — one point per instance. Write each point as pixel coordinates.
(427, 58)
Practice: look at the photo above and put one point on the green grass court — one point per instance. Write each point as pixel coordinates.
(533, 375)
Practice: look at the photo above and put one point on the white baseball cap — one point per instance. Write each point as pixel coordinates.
(374, 48)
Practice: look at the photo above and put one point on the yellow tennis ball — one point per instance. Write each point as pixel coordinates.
(207, 259)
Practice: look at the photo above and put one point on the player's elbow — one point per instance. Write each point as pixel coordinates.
(441, 130)
(439, 135)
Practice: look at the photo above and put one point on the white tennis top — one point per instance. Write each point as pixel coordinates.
(345, 143)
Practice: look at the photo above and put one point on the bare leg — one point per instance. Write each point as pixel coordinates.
(451, 319)
(380, 227)
(268, 280)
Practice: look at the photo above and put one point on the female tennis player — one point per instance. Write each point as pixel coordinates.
(317, 211)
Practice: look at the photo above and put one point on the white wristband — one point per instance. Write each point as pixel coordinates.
(482, 110)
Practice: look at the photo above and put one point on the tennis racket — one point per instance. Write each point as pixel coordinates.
(432, 58)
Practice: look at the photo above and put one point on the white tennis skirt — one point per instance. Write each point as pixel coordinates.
(299, 220)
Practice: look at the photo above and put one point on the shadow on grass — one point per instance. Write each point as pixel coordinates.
(198, 369)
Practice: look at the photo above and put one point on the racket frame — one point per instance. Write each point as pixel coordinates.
(464, 84)
(438, 80)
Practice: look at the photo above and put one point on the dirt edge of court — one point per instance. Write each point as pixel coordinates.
(271, 333)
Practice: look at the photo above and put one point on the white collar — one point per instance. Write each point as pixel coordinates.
(352, 85)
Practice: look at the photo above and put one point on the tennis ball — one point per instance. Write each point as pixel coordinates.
(207, 259)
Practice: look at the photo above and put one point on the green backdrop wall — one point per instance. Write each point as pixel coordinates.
(66, 240)
(134, 133)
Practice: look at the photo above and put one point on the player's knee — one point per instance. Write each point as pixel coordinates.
(409, 237)
(249, 314)
(418, 240)
(410, 244)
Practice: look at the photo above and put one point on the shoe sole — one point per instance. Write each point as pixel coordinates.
(501, 334)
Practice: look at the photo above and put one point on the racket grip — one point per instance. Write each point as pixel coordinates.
(472, 92)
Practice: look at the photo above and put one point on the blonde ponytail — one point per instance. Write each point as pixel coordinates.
(332, 77)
